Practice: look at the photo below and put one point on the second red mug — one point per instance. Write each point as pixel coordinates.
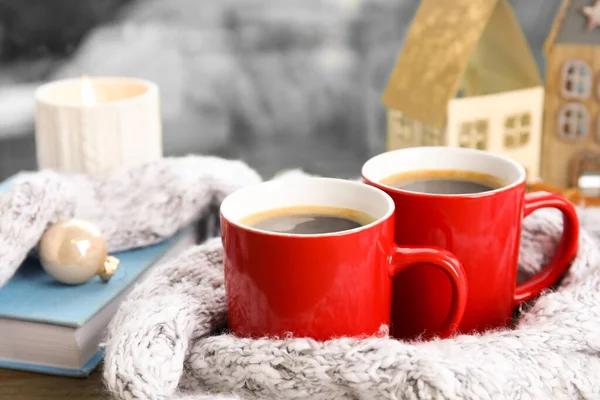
(482, 229)
(321, 285)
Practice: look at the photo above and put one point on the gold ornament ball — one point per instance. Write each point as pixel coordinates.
(73, 251)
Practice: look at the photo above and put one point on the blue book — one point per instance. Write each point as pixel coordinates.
(49, 327)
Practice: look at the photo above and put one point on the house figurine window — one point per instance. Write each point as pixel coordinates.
(576, 80)
(573, 121)
(517, 130)
(432, 136)
(474, 134)
(404, 130)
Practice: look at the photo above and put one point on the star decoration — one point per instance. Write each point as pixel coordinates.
(593, 15)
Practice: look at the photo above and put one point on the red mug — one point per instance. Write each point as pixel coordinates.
(482, 229)
(319, 285)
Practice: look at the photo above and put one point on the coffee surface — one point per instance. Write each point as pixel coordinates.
(444, 181)
(307, 220)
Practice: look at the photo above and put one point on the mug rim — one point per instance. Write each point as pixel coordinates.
(389, 213)
(387, 188)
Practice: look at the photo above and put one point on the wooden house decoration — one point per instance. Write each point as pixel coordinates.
(571, 140)
(466, 77)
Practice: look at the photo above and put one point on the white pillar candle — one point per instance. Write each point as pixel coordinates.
(92, 125)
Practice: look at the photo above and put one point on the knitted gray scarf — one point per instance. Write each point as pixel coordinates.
(162, 342)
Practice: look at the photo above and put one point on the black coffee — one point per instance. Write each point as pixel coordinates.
(307, 220)
(444, 182)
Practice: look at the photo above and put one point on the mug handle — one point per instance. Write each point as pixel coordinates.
(567, 247)
(406, 256)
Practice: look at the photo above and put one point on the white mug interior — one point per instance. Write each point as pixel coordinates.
(430, 158)
(307, 191)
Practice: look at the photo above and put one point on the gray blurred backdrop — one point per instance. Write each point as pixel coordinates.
(277, 83)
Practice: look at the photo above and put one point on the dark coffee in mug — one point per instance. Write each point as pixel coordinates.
(307, 220)
(444, 181)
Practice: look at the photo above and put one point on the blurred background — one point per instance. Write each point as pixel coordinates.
(277, 83)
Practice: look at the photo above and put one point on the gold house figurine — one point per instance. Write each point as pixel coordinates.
(571, 142)
(466, 77)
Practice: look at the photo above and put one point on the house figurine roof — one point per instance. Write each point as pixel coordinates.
(459, 47)
(571, 26)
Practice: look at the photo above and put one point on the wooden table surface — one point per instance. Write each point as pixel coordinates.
(17, 385)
